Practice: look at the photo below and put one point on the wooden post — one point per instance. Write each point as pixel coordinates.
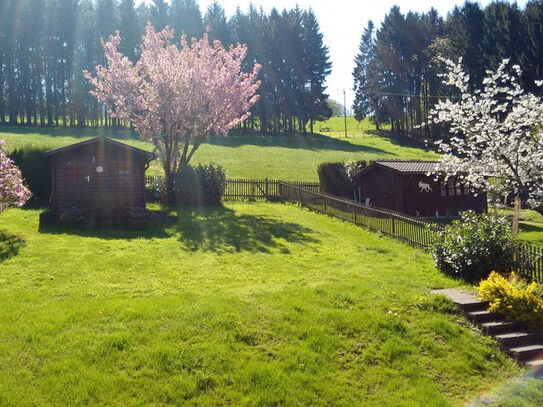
(266, 187)
(516, 214)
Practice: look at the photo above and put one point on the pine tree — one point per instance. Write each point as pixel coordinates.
(215, 22)
(364, 85)
(159, 14)
(186, 18)
(129, 29)
(318, 67)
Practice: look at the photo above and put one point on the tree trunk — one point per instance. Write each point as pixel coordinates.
(516, 214)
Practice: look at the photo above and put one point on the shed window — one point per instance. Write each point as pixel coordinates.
(451, 188)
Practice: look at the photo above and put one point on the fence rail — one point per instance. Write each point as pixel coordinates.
(413, 231)
(239, 189)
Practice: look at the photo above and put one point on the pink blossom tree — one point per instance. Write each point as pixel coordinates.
(12, 190)
(176, 97)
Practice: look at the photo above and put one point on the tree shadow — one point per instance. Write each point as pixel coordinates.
(9, 245)
(154, 231)
(398, 140)
(79, 133)
(309, 141)
(222, 230)
(530, 227)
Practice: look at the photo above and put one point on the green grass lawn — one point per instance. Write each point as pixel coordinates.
(256, 304)
(531, 225)
(293, 158)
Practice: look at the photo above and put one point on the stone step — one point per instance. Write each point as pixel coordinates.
(535, 364)
(516, 338)
(484, 316)
(527, 352)
(501, 327)
(473, 306)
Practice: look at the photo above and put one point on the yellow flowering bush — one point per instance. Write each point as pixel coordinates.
(514, 297)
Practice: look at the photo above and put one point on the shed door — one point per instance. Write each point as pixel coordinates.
(78, 185)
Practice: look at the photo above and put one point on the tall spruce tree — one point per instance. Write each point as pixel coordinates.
(186, 18)
(318, 66)
(216, 24)
(129, 29)
(364, 104)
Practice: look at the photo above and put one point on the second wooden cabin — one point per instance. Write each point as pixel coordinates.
(405, 186)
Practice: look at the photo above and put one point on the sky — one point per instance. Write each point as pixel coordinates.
(342, 23)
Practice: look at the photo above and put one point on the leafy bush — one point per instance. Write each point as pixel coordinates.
(514, 298)
(201, 185)
(474, 245)
(34, 169)
(336, 178)
(155, 189)
(333, 179)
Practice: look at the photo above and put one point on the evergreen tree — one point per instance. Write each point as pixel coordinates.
(129, 29)
(186, 18)
(318, 66)
(364, 86)
(159, 14)
(215, 22)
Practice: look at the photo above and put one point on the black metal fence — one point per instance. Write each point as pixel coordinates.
(413, 231)
(239, 189)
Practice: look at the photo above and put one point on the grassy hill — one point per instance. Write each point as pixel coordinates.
(290, 158)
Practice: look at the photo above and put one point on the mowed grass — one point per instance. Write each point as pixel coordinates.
(256, 304)
(293, 158)
(531, 225)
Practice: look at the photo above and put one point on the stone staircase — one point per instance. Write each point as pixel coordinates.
(515, 339)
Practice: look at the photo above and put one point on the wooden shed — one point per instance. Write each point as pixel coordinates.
(406, 187)
(99, 174)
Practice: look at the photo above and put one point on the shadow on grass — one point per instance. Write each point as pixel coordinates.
(312, 141)
(156, 231)
(398, 140)
(222, 230)
(87, 132)
(9, 245)
(530, 227)
(309, 141)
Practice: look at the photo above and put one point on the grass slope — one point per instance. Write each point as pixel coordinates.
(290, 158)
(257, 304)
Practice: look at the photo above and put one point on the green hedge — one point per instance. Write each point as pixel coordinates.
(37, 175)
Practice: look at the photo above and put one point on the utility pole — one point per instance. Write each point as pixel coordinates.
(345, 112)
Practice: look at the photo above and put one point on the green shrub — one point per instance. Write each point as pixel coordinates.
(333, 179)
(201, 185)
(155, 189)
(514, 298)
(36, 173)
(336, 178)
(474, 245)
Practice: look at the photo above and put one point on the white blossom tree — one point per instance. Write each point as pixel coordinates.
(496, 135)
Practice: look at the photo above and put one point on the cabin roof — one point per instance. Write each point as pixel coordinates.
(95, 140)
(403, 167)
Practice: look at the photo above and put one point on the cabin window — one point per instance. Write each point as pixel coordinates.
(451, 188)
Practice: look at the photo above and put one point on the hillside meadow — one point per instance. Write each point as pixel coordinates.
(292, 158)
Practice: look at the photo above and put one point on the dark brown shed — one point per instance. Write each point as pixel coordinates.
(406, 187)
(99, 174)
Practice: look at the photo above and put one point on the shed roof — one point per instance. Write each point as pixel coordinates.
(94, 140)
(404, 167)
